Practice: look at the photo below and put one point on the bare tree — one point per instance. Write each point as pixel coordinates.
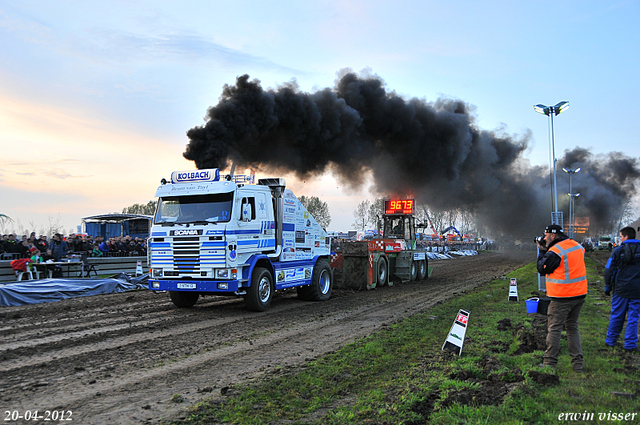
(54, 226)
(438, 219)
(451, 216)
(466, 219)
(19, 229)
(318, 209)
(361, 215)
(376, 209)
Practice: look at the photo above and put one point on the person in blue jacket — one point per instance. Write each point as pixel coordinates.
(622, 277)
(58, 247)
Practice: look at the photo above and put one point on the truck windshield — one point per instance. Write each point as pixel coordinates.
(211, 208)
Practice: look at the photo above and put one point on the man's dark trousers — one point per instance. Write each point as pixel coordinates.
(564, 313)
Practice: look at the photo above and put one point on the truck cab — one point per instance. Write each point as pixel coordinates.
(230, 236)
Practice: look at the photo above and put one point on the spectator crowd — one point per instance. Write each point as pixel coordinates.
(76, 244)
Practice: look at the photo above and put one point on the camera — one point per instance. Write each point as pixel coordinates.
(540, 240)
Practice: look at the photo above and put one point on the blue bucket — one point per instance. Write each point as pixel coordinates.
(532, 305)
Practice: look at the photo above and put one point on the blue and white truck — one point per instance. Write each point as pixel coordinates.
(225, 235)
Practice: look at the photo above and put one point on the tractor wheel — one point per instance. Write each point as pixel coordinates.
(382, 271)
(414, 271)
(422, 269)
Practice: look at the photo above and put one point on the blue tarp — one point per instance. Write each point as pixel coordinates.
(49, 290)
(449, 254)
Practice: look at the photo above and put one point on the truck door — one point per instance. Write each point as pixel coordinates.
(265, 216)
(256, 226)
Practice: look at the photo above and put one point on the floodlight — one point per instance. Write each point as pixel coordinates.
(560, 107)
(550, 111)
(541, 109)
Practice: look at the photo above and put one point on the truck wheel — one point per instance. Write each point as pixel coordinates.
(260, 293)
(184, 299)
(382, 271)
(422, 269)
(414, 271)
(321, 283)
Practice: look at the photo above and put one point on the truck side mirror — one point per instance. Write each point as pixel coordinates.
(247, 212)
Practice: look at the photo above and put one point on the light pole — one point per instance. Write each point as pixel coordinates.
(550, 111)
(572, 218)
(572, 223)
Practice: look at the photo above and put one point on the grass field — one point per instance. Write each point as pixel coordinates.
(400, 375)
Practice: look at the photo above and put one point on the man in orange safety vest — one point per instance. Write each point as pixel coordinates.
(561, 259)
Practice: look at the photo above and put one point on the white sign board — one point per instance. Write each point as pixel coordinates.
(513, 290)
(455, 339)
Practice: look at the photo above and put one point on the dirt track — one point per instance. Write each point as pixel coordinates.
(121, 358)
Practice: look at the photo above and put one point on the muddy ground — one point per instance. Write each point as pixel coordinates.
(128, 358)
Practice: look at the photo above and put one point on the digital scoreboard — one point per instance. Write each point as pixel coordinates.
(398, 206)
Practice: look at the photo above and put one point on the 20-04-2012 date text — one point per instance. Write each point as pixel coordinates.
(35, 415)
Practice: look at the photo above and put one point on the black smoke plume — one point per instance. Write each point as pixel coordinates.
(606, 183)
(432, 151)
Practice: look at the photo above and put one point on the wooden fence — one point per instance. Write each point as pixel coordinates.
(103, 266)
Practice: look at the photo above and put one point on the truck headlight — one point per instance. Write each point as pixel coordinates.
(155, 285)
(156, 272)
(226, 273)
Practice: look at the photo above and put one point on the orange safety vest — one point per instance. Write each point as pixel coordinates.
(570, 278)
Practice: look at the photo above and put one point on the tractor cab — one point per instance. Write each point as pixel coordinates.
(398, 221)
(394, 256)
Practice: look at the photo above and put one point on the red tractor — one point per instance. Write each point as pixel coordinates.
(378, 261)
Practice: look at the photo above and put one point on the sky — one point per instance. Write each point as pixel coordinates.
(96, 97)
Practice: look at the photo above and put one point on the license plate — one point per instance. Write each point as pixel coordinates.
(187, 286)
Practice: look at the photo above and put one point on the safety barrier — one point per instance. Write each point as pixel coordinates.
(103, 266)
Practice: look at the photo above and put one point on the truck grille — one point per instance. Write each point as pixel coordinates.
(186, 255)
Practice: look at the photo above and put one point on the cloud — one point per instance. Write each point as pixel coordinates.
(180, 47)
(58, 174)
(121, 48)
